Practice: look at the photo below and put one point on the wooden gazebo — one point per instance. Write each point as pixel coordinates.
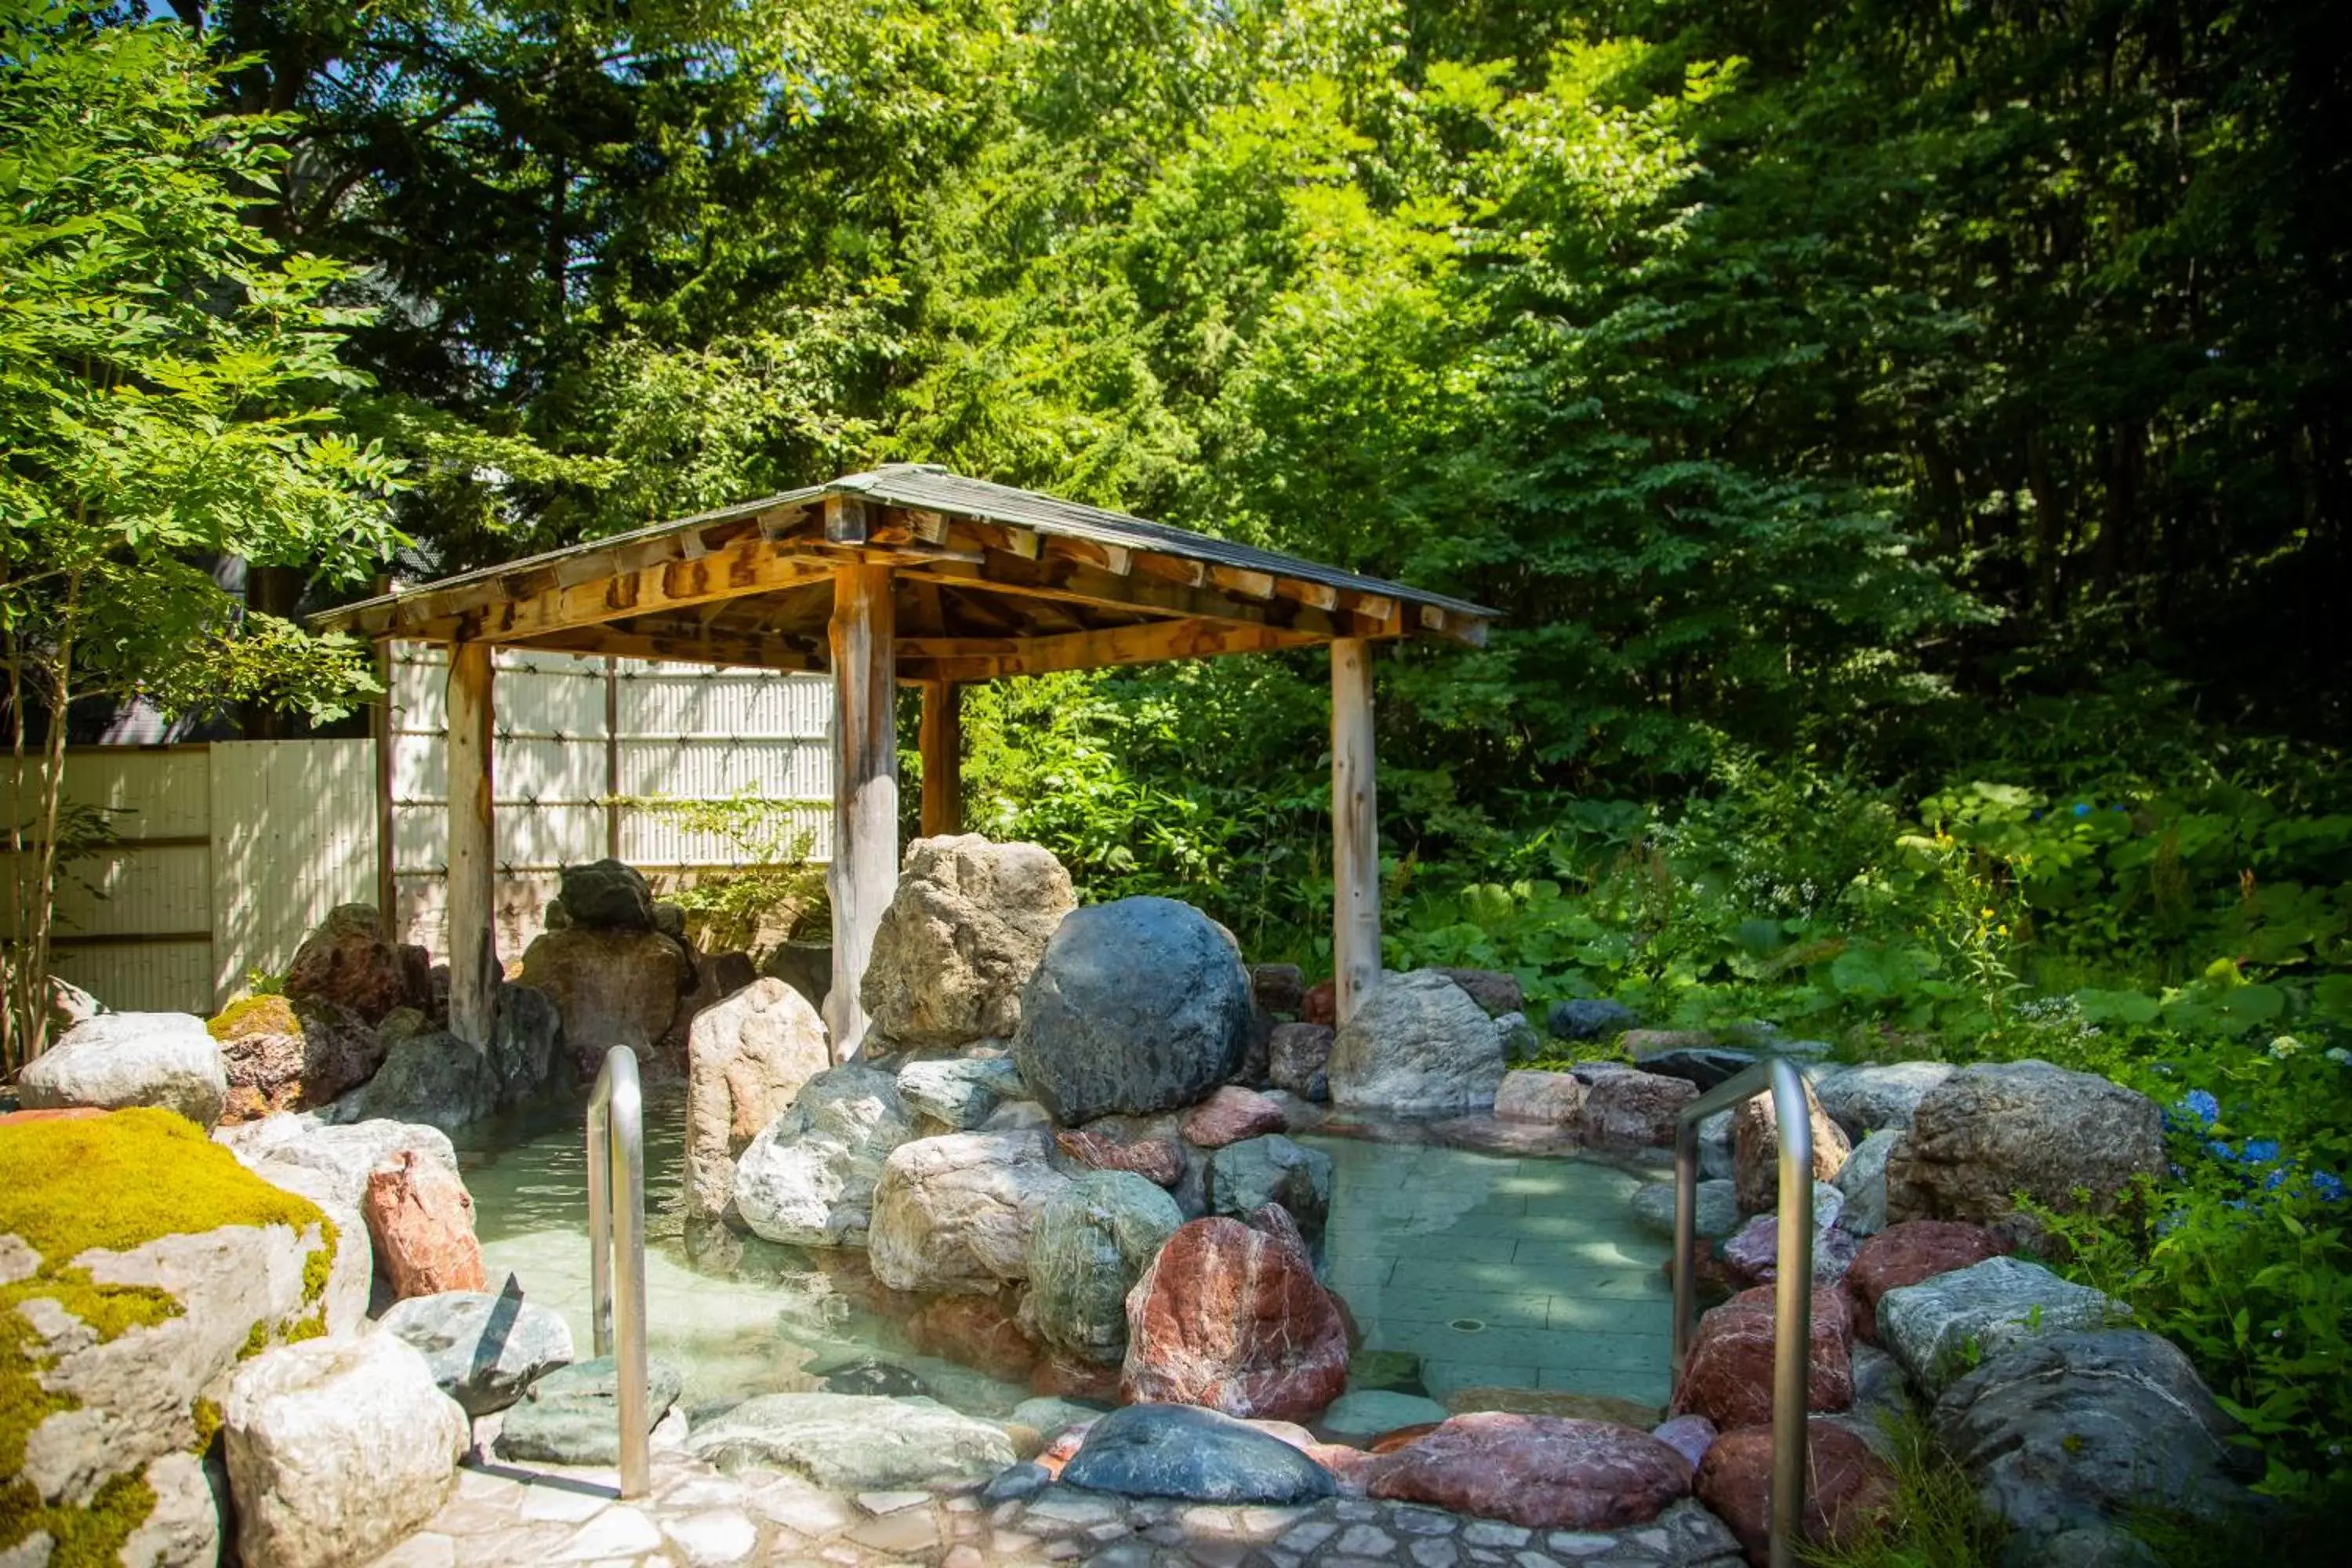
(909, 575)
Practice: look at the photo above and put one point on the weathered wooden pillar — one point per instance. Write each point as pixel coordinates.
(1355, 829)
(473, 847)
(864, 787)
(942, 749)
(380, 730)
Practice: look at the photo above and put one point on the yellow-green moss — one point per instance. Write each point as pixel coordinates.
(208, 1419)
(320, 1267)
(115, 1181)
(121, 1181)
(89, 1537)
(255, 1016)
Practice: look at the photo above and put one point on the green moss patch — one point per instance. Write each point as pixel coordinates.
(115, 1181)
(121, 1181)
(255, 1016)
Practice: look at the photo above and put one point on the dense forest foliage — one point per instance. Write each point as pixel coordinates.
(1907, 444)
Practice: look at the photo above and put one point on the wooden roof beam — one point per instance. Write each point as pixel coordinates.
(1074, 581)
(988, 658)
(746, 566)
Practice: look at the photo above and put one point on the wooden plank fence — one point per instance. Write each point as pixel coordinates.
(230, 851)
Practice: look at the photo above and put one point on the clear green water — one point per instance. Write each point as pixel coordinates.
(1519, 1272)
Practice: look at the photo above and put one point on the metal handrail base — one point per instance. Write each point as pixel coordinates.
(1793, 1299)
(616, 1234)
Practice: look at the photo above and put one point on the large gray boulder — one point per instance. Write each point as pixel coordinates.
(854, 1442)
(960, 1092)
(1861, 1100)
(1946, 1323)
(572, 1416)
(1091, 1242)
(1996, 1129)
(2068, 1435)
(956, 1212)
(1418, 1045)
(1138, 1005)
(484, 1348)
(1244, 1177)
(337, 1449)
(434, 1078)
(747, 1059)
(962, 934)
(117, 1061)
(809, 1177)
(1862, 1180)
(524, 1044)
(120, 1395)
(1206, 1456)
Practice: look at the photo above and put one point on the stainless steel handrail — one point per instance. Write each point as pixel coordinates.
(617, 1163)
(1793, 1300)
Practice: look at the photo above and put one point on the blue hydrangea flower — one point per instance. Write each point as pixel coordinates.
(2328, 1185)
(2261, 1150)
(2277, 1178)
(2081, 808)
(2200, 1104)
(2220, 1151)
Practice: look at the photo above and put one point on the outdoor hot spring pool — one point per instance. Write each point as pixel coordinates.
(1495, 1270)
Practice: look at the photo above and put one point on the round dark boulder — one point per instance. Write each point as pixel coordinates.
(605, 895)
(1589, 1019)
(1184, 1451)
(1140, 1005)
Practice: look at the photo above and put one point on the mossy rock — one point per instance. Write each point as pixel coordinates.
(116, 1184)
(287, 1055)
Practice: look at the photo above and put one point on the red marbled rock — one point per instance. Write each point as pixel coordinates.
(1156, 1160)
(1233, 1319)
(1546, 1472)
(1322, 1004)
(1403, 1436)
(421, 1219)
(977, 1333)
(1728, 1377)
(1635, 1110)
(1914, 1250)
(1751, 1255)
(1232, 1114)
(1756, 1149)
(1847, 1487)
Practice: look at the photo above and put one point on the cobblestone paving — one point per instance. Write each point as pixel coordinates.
(698, 1518)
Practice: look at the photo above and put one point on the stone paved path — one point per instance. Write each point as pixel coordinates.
(698, 1518)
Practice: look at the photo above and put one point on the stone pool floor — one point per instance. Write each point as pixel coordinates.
(1499, 1272)
(698, 1517)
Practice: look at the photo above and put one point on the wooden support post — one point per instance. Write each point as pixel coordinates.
(1355, 829)
(864, 787)
(942, 748)
(473, 847)
(380, 730)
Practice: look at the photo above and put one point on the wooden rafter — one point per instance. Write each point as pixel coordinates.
(986, 658)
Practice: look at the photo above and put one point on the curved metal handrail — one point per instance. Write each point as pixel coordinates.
(617, 1163)
(1792, 1300)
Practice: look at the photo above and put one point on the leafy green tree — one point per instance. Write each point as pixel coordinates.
(166, 377)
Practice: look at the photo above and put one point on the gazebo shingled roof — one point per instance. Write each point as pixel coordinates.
(908, 575)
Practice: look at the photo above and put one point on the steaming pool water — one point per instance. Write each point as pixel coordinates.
(1515, 1271)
